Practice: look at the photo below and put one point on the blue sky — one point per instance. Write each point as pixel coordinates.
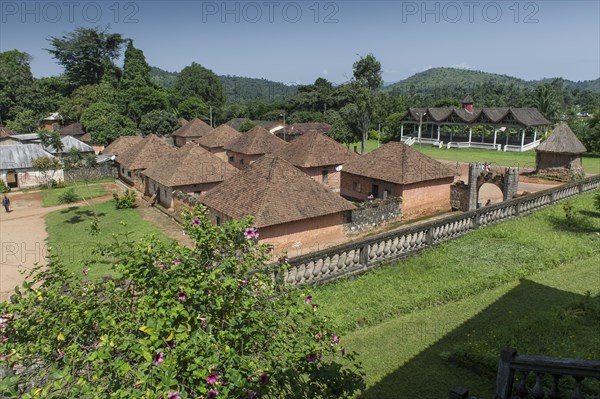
(299, 41)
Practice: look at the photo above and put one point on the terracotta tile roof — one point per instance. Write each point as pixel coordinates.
(4, 132)
(302, 128)
(315, 149)
(121, 144)
(74, 129)
(219, 137)
(398, 163)
(194, 128)
(145, 153)
(182, 121)
(274, 192)
(86, 138)
(256, 141)
(562, 141)
(189, 164)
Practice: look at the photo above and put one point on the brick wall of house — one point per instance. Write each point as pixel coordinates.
(426, 198)
(235, 158)
(165, 197)
(218, 151)
(359, 187)
(333, 176)
(304, 236)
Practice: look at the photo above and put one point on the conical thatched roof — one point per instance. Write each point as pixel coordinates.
(219, 137)
(315, 149)
(121, 144)
(256, 141)
(194, 128)
(145, 153)
(562, 141)
(274, 192)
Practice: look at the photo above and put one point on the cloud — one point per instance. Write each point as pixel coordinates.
(461, 66)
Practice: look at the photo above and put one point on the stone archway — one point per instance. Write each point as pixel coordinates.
(507, 182)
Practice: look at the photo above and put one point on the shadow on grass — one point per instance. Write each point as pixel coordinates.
(82, 216)
(431, 375)
(590, 214)
(577, 225)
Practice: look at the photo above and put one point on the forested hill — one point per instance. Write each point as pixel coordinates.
(236, 88)
(441, 79)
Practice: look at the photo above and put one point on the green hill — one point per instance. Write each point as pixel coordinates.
(236, 88)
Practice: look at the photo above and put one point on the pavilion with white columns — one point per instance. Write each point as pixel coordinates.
(468, 127)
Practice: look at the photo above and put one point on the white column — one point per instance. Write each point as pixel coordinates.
(507, 135)
(470, 134)
(439, 132)
(534, 134)
(522, 138)
(431, 136)
(495, 134)
(451, 131)
(401, 131)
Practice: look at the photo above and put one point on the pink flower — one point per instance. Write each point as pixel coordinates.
(212, 393)
(311, 358)
(263, 378)
(212, 378)
(250, 233)
(182, 296)
(196, 222)
(308, 299)
(3, 339)
(60, 355)
(173, 395)
(335, 339)
(158, 359)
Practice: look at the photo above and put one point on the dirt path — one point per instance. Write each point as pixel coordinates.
(166, 225)
(23, 236)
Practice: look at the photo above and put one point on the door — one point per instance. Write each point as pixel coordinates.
(375, 190)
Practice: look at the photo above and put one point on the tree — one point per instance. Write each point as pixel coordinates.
(105, 124)
(84, 96)
(173, 322)
(392, 124)
(591, 139)
(86, 54)
(340, 130)
(136, 71)
(139, 100)
(545, 100)
(25, 121)
(159, 122)
(192, 107)
(51, 139)
(197, 81)
(247, 125)
(367, 80)
(48, 168)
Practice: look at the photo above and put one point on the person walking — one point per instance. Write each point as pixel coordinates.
(6, 203)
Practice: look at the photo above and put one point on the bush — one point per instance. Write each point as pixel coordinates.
(68, 196)
(125, 201)
(179, 322)
(4, 187)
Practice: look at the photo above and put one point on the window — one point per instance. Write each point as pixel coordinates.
(165, 192)
(231, 159)
(122, 170)
(241, 161)
(324, 176)
(218, 221)
(128, 174)
(386, 193)
(356, 186)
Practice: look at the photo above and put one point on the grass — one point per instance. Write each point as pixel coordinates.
(69, 233)
(468, 298)
(51, 197)
(517, 159)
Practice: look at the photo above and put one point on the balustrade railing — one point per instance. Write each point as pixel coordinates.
(357, 257)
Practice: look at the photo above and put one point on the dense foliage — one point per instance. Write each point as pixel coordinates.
(178, 323)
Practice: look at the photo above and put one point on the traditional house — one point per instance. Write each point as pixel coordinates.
(318, 156)
(397, 170)
(75, 130)
(25, 138)
(298, 129)
(272, 126)
(120, 145)
(252, 145)
(190, 169)
(192, 130)
(51, 122)
(560, 154)
(215, 140)
(132, 162)
(16, 165)
(289, 208)
(6, 137)
(68, 143)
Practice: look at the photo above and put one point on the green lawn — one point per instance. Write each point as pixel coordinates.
(51, 197)
(470, 297)
(516, 159)
(69, 233)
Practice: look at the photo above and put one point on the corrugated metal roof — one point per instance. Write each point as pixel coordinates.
(20, 156)
(71, 142)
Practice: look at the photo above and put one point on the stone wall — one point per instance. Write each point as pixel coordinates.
(103, 170)
(459, 196)
(373, 214)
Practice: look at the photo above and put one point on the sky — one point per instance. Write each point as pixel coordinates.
(295, 42)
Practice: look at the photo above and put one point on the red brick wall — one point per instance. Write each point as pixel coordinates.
(366, 185)
(333, 176)
(166, 193)
(426, 198)
(218, 151)
(248, 159)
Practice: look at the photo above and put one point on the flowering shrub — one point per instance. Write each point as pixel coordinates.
(127, 200)
(178, 323)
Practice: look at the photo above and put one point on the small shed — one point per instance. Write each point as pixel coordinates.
(560, 154)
